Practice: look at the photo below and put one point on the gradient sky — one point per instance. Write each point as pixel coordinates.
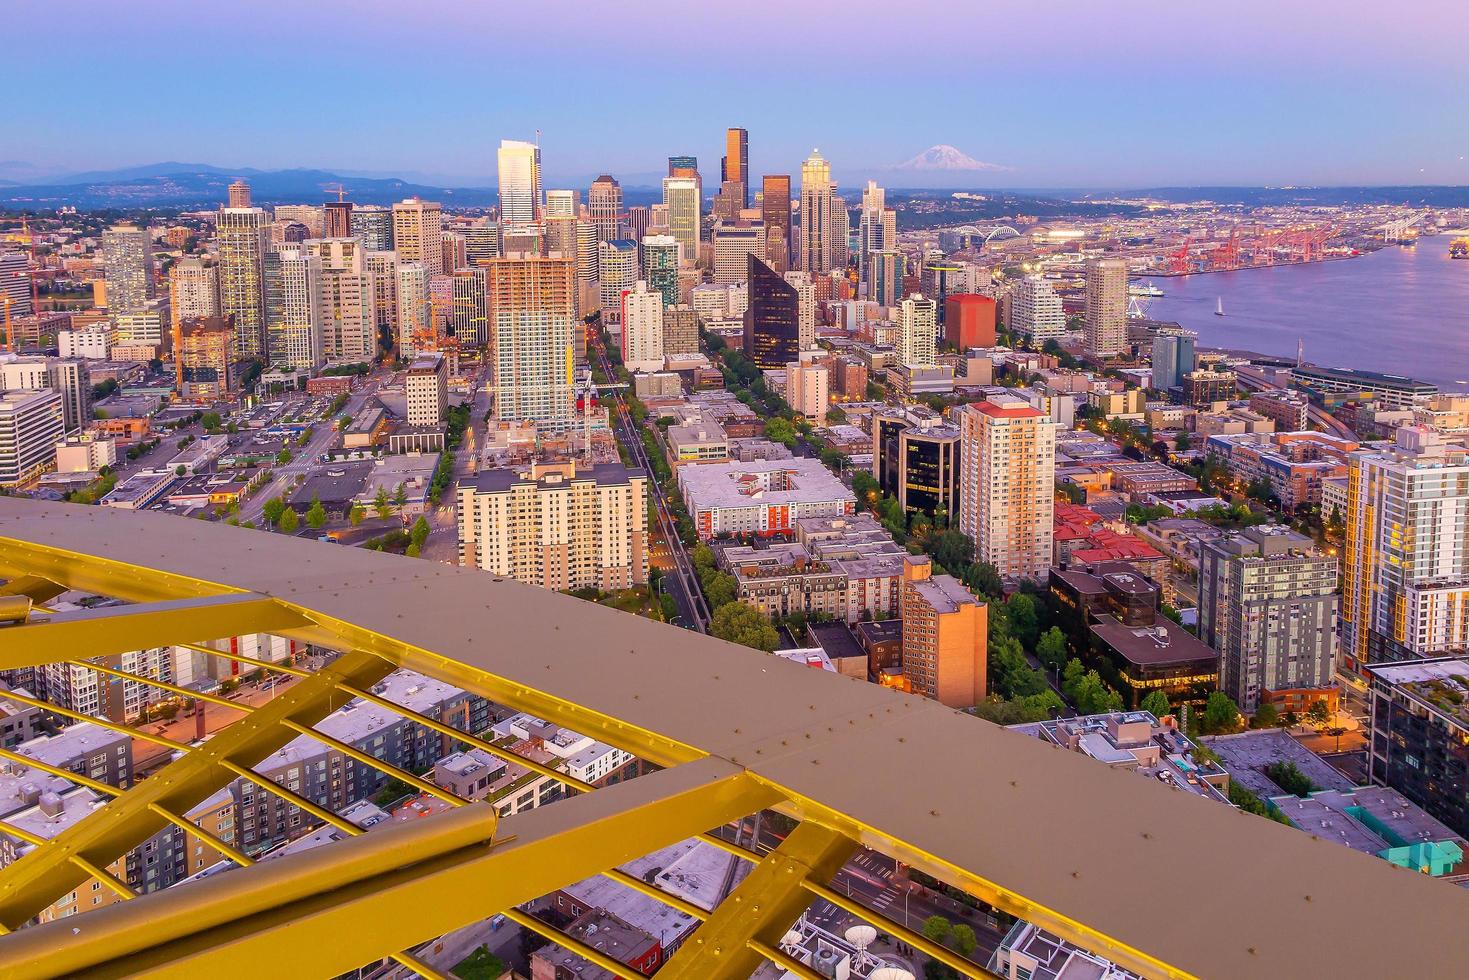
(1065, 93)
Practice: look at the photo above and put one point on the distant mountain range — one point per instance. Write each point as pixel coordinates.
(942, 169)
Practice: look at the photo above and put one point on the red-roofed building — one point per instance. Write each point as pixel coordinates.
(1081, 537)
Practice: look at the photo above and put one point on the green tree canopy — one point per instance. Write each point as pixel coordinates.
(1221, 714)
(937, 928)
(780, 430)
(1157, 703)
(289, 522)
(952, 549)
(964, 940)
(746, 625)
(1266, 716)
(273, 509)
(1051, 648)
(381, 505)
(356, 515)
(1024, 619)
(316, 515)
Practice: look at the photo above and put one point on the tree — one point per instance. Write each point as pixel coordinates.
(381, 505)
(1157, 704)
(289, 522)
(965, 942)
(1289, 777)
(1051, 648)
(283, 457)
(1221, 714)
(952, 549)
(210, 421)
(937, 928)
(412, 550)
(745, 625)
(984, 578)
(1024, 620)
(273, 509)
(1181, 442)
(400, 496)
(1318, 714)
(720, 589)
(780, 430)
(180, 470)
(316, 515)
(1266, 716)
(356, 515)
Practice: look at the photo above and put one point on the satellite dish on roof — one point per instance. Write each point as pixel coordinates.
(889, 973)
(861, 936)
(792, 938)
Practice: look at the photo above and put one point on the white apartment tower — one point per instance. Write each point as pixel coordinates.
(427, 389)
(681, 197)
(127, 257)
(918, 330)
(1035, 310)
(293, 308)
(418, 233)
(642, 328)
(1007, 479)
(240, 235)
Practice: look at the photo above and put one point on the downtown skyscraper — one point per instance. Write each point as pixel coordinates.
(240, 236)
(877, 232)
(681, 197)
(735, 167)
(532, 319)
(773, 318)
(520, 182)
(1105, 328)
(818, 234)
(775, 211)
(418, 234)
(127, 257)
(604, 207)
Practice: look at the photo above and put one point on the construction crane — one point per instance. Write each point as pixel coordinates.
(338, 190)
(586, 392)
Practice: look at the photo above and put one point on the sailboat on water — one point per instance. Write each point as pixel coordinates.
(1219, 309)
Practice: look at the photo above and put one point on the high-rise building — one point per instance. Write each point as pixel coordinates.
(70, 376)
(642, 328)
(1035, 310)
(415, 316)
(520, 182)
(481, 243)
(31, 424)
(681, 196)
(561, 204)
(241, 240)
(604, 203)
(1007, 480)
(639, 221)
(877, 231)
(775, 212)
(15, 284)
(735, 167)
(1406, 562)
(808, 389)
(617, 263)
(418, 233)
(885, 277)
(818, 243)
(1173, 356)
(586, 262)
(557, 525)
(680, 330)
(915, 458)
(205, 359)
(532, 303)
(969, 320)
(772, 319)
(426, 387)
(374, 225)
(733, 241)
(383, 267)
(292, 309)
(452, 247)
(945, 636)
(470, 319)
(1105, 327)
(127, 258)
(239, 194)
(917, 331)
(309, 215)
(1268, 604)
(337, 219)
(193, 290)
(660, 266)
(805, 308)
(1419, 740)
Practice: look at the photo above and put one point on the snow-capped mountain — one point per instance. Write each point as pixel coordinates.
(945, 157)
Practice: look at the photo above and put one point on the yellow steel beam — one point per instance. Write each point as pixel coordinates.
(100, 575)
(225, 655)
(332, 908)
(76, 777)
(106, 723)
(35, 587)
(788, 963)
(119, 629)
(37, 879)
(163, 686)
(657, 894)
(761, 908)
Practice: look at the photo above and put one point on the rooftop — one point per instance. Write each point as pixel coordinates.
(1165, 642)
(1442, 684)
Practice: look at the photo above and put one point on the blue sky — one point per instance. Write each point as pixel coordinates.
(1065, 93)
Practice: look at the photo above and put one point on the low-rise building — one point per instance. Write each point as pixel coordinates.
(1289, 410)
(1379, 821)
(85, 453)
(945, 632)
(763, 498)
(1294, 464)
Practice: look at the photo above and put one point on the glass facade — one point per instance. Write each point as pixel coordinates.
(773, 320)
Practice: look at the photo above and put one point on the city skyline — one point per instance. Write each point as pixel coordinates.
(1249, 107)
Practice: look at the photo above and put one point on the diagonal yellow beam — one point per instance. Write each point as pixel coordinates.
(119, 629)
(46, 873)
(332, 908)
(34, 587)
(761, 909)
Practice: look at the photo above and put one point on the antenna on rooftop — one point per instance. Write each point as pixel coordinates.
(862, 936)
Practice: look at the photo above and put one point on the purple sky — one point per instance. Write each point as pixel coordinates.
(1066, 93)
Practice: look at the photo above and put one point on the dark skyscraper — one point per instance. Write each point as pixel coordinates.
(736, 163)
(775, 210)
(338, 219)
(773, 318)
